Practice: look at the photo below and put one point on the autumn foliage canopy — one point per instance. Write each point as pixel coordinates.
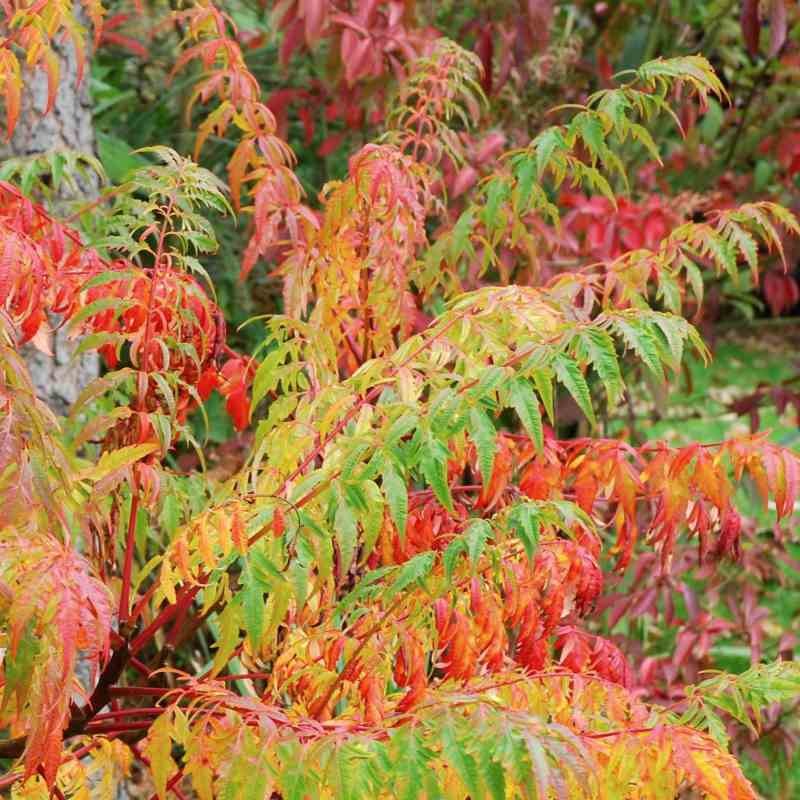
(411, 582)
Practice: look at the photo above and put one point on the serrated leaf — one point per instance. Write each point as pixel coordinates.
(570, 376)
(524, 521)
(228, 639)
(484, 437)
(599, 347)
(545, 144)
(639, 339)
(114, 460)
(345, 528)
(415, 569)
(433, 463)
(396, 492)
(475, 537)
(526, 404)
(253, 609)
(461, 761)
(158, 749)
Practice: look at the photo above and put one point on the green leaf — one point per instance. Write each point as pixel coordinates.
(401, 427)
(412, 571)
(545, 144)
(116, 157)
(484, 437)
(601, 353)
(253, 608)
(526, 173)
(496, 194)
(493, 774)
(451, 554)
(524, 521)
(433, 463)
(228, 639)
(346, 533)
(639, 339)
(18, 665)
(396, 491)
(475, 538)
(543, 380)
(114, 460)
(372, 519)
(524, 401)
(170, 515)
(460, 760)
(411, 761)
(588, 126)
(570, 376)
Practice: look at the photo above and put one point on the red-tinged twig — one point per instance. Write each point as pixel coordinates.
(10, 778)
(116, 728)
(143, 601)
(129, 712)
(130, 540)
(620, 732)
(140, 667)
(54, 790)
(172, 786)
(130, 545)
(108, 195)
(138, 691)
(166, 615)
(245, 676)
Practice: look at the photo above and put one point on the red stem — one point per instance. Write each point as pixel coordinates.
(134, 662)
(174, 780)
(186, 596)
(117, 728)
(143, 601)
(265, 676)
(621, 732)
(130, 541)
(138, 691)
(172, 785)
(127, 568)
(128, 712)
(54, 790)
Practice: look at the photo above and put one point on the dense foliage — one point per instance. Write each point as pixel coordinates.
(450, 539)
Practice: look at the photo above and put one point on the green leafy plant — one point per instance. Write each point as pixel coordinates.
(395, 593)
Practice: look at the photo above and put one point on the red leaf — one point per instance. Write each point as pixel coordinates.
(314, 15)
(465, 179)
(777, 27)
(278, 523)
(209, 381)
(780, 291)
(330, 144)
(751, 25)
(238, 407)
(484, 48)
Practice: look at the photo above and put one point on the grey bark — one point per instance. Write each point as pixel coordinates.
(59, 378)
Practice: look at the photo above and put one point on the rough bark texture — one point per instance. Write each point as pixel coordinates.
(59, 378)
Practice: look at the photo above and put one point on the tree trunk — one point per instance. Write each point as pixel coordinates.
(58, 378)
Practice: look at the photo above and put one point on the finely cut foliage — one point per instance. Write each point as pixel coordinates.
(399, 583)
